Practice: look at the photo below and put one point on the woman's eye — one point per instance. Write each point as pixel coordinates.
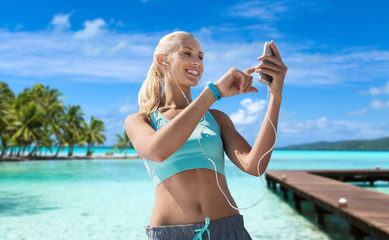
(201, 58)
(187, 53)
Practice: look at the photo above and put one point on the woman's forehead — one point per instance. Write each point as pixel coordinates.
(187, 42)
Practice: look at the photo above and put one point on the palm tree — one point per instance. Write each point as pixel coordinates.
(5, 141)
(47, 142)
(50, 101)
(122, 143)
(28, 104)
(7, 98)
(28, 128)
(73, 121)
(54, 119)
(58, 126)
(93, 133)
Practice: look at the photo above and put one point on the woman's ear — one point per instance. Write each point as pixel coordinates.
(160, 59)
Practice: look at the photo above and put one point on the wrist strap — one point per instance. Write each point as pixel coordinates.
(214, 90)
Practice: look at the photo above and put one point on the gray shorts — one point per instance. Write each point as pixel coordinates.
(229, 228)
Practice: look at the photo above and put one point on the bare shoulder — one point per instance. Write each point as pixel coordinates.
(221, 118)
(218, 115)
(136, 118)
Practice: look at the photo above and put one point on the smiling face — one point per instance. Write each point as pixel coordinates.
(186, 59)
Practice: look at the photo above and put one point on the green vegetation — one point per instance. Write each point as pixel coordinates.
(122, 143)
(37, 119)
(381, 144)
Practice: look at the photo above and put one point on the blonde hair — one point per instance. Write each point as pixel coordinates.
(150, 93)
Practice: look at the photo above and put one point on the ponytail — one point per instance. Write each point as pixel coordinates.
(150, 93)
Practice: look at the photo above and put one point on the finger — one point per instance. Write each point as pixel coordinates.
(249, 83)
(269, 58)
(252, 89)
(269, 66)
(275, 49)
(241, 76)
(268, 72)
(249, 70)
(273, 59)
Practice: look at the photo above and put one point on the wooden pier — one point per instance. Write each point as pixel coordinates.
(362, 175)
(367, 211)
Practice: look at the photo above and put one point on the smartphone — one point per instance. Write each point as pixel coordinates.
(264, 78)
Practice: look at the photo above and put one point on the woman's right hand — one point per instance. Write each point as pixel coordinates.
(235, 82)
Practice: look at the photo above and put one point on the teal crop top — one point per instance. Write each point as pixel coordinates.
(190, 155)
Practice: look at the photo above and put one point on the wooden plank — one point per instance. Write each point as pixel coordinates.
(367, 210)
(354, 175)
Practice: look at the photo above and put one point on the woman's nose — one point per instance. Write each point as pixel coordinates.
(197, 61)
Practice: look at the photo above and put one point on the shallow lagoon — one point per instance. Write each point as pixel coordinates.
(113, 199)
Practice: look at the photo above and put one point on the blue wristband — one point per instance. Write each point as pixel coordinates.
(214, 90)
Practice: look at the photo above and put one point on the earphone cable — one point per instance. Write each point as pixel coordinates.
(215, 168)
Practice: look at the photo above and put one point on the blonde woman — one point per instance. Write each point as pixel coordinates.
(177, 138)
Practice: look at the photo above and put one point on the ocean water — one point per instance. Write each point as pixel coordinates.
(113, 199)
(80, 151)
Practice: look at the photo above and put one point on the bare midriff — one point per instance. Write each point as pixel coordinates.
(189, 197)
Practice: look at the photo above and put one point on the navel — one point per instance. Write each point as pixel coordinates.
(199, 207)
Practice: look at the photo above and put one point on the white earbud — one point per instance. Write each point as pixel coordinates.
(165, 63)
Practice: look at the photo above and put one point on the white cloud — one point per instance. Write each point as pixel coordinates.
(320, 129)
(18, 27)
(125, 57)
(110, 58)
(61, 21)
(249, 113)
(284, 114)
(360, 112)
(324, 129)
(274, 10)
(119, 46)
(335, 68)
(378, 90)
(92, 29)
(308, 64)
(127, 108)
(308, 125)
(378, 104)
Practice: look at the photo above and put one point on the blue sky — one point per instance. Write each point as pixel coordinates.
(97, 54)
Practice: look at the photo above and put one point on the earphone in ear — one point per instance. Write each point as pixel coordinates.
(165, 63)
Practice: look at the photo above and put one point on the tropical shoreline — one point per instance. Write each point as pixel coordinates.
(46, 158)
(37, 119)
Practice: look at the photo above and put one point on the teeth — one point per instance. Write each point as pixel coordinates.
(193, 72)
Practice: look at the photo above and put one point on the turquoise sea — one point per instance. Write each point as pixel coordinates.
(80, 151)
(113, 199)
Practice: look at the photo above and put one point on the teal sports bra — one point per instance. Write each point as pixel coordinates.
(190, 155)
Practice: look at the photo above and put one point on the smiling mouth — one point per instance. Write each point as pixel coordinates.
(192, 72)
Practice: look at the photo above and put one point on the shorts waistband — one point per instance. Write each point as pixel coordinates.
(218, 226)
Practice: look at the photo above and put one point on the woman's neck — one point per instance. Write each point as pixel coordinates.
(173, 98)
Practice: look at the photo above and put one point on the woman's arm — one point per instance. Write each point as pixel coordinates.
(159, 145)
(236, 147)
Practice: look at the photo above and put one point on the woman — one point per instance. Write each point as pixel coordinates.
(176, 135)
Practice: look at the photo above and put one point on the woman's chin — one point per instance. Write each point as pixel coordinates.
(193, 81)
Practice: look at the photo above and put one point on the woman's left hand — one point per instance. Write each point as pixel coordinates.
(275, 68)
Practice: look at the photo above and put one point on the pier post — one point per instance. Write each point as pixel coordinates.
(284, 193)
(320, 215)
(371, 182)
(297, 202)
(268, 181)
(274, 186)
(357, 233)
